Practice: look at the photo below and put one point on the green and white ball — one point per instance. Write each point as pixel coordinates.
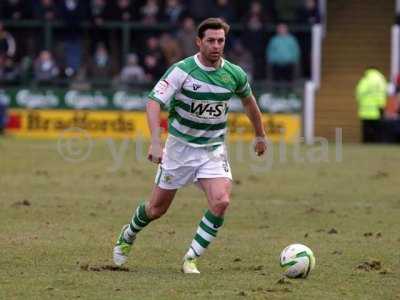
(297, 261)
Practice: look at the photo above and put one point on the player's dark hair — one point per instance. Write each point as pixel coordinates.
(212, 23)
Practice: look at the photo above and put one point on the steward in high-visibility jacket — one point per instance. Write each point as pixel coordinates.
(371, 93)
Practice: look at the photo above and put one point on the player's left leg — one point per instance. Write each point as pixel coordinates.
(217, 191)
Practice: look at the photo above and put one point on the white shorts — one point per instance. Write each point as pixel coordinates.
(183, 164)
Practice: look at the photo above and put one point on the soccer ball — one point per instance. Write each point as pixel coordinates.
(297, 261)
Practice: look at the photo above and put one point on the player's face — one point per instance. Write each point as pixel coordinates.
(212, 44)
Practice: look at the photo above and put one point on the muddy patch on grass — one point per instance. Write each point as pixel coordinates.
(100, 268)
(333, 231)
(371, 234)
(312, 210)
(44, 173)
(257, 268)
(278, 290)
(372, 265)
(379, 175)
(237, 182)
(22, 203)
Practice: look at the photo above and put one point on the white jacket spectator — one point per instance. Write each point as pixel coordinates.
(7, 42)
(45, 68)
(132, 73)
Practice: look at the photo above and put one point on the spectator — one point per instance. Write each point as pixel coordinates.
(170, 48)
(16, 9)
(283, 54)
(224, 9)
(258, 13)
(308, 13)
(45, 68)
(8, 70)
(2, 10)
(73, 13)
(186, 37)
(99, 11)
(371, 98)
(392, 108)
(253, 36)
(123, 10)
(3, 115)
(154, 60)
(150, 12)
(100, 66)
(200, 10)
(242, 57)
(7, 43)
(153, 48)
(152, 67)
(45, 10)
(173, 12)
(132, 73)
(391, 119)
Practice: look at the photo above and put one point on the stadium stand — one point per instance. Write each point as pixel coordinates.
(359, 35)
(74, 29)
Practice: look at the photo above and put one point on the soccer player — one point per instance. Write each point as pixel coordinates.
(198, 90)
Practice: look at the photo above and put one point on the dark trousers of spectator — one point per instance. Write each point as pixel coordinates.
(391, 131)
(282, 76)
(283, 73)
(371, 131)
(3, 114)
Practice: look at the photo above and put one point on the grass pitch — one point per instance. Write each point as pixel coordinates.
(59, 221)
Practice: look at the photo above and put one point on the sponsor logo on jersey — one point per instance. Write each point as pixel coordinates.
(209, 110)
(161, 87)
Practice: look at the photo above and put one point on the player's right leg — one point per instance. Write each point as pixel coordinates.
(157, 206)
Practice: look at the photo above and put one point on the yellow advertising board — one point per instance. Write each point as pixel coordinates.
(131, 125)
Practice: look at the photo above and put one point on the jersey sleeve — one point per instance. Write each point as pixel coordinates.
(243, 87)
(167, 86)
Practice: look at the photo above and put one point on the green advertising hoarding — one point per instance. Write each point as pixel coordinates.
(57, 98)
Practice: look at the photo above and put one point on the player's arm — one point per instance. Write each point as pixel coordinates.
(153, 110)
(253, 113)
(163, 91)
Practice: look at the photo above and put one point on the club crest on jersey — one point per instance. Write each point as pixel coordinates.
(225, 78)
(209, 110)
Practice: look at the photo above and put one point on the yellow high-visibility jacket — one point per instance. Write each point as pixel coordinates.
(371, 94)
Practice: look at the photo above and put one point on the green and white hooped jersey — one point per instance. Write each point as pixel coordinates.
(199, 97)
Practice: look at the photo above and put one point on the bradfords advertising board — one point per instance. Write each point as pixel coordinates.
(122, 124)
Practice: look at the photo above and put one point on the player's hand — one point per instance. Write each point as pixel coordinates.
(260, 145)
(155, 152)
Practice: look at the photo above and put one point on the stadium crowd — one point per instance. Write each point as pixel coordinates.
(94, 51)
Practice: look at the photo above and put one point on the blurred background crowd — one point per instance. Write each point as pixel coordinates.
(131, 42)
